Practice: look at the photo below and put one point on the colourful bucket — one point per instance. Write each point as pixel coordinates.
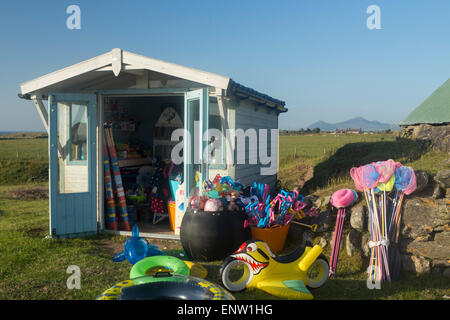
(274, 237)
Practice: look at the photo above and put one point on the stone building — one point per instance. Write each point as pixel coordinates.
(430, 121)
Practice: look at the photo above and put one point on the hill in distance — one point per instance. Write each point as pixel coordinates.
(355, 123)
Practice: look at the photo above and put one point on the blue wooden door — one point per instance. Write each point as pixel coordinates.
(73, 174)
(196, 110)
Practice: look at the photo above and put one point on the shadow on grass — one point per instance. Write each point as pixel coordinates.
(408, 287)
(358, 154)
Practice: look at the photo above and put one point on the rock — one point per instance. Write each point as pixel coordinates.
(446, 272)
(329, 220)
(307, 236)
(326, 201)
(317, 203)
(440, 264)
(422, 216)
(353, 242)
(443, 178)
(415, 264)
(438, 249)
(323, 242)
(422, 180)
(438, 192)
(309, 200)
(437, 137)
(365, 244)
(358, 218)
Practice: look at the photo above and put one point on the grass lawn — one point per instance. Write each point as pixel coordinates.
(23, 160)
(34, 267)
(326, 159)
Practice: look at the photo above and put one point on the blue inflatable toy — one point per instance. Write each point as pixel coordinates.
(137, 248)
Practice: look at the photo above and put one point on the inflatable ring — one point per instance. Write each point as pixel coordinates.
(113, 292)
(166, 286)
(152, 265)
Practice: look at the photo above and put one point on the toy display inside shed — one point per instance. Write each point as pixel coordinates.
(140, 129)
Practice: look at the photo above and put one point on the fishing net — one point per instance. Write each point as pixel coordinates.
(388, 186)
(385, 169)
(369, 176)
(405, 180)
(355, 173)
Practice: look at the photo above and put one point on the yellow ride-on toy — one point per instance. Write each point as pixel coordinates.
(253, 265)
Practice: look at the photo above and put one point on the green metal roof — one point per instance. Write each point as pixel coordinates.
(434, 110)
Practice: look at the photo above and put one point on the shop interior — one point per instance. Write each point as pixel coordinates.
(141, 127)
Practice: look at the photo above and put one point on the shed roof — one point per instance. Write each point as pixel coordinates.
(119, 69)
(434, 110)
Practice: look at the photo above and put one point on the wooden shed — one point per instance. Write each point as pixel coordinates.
(76, 102)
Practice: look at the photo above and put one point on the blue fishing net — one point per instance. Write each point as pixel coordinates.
(369, 176)
(403, 176)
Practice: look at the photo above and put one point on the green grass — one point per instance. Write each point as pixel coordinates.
(317, 146)
(23, 160)
(34, 267)
(24, 149)
(326, 159)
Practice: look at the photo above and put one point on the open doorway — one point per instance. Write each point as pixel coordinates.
(141, 128)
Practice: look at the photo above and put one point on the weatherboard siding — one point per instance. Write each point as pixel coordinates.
(248, 116)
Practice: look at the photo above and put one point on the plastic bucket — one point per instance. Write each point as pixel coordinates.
(274, 237)
(171, 210)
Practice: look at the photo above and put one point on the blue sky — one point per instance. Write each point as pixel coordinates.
(318, 56)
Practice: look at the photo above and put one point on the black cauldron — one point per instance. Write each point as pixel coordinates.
(210, 236)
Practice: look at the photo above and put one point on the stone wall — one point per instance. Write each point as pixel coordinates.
(436, 136)
(424, 242)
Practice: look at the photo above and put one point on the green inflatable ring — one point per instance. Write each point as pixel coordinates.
(151, 265)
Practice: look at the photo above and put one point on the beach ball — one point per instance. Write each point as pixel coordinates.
(213, 205)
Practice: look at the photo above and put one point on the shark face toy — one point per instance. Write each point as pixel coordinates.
(253, 265)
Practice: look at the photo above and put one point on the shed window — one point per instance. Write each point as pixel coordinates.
(72, 147)
(78, 132)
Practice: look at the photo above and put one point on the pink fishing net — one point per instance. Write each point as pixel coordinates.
(356, 175)
(343, 198)
(386, 169)
(369, 176)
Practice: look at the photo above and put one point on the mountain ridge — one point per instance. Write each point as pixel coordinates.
(355, 123)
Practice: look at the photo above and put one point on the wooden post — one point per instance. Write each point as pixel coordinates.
(42, 111)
